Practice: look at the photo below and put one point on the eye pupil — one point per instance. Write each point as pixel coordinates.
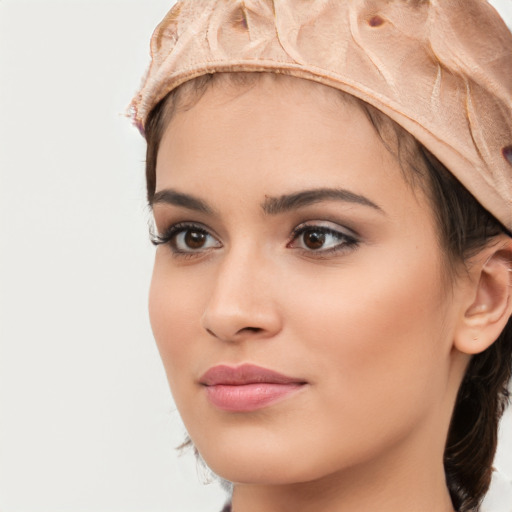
(314, 239)
(195, 239)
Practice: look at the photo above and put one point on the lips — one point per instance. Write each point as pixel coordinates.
(248, 387)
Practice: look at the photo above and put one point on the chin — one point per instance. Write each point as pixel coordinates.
(254, 460)
(263, 472)
(263, 460)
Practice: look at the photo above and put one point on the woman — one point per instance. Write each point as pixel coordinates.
(331, 303)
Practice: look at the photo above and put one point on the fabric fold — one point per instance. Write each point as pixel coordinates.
(442, 70)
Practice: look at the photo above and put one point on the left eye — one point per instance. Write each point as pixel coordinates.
(318, 239)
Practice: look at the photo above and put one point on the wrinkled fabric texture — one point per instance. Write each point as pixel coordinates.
(442, 69)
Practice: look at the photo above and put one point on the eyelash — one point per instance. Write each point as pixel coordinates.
(170, 235)
(346, 241)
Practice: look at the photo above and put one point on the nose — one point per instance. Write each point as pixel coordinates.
(242, 304)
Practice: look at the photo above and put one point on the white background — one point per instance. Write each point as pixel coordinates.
(86, 420)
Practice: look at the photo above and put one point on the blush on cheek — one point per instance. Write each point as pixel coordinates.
(175, 316)
(165, 317)
(382, 332)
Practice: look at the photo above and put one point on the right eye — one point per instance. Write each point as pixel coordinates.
(187, 239)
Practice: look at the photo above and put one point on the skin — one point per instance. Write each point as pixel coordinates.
(370, 326)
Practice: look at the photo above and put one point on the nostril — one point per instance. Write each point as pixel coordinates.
(507, 154)
(376, 21)
(245, 330)
(251, 329)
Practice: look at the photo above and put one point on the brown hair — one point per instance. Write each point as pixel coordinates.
(464, 228)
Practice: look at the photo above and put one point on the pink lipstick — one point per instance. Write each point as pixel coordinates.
(247, 388)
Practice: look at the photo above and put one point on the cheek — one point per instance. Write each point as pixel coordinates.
(174, 311)
(376, 338)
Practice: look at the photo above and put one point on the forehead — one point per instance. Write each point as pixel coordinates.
(276, 131)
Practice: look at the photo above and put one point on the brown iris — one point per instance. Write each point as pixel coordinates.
(314, 239)
(195, 239)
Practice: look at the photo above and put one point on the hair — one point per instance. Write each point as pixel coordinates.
(464, 228)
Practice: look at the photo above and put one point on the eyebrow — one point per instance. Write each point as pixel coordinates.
(271, 205)
(285, 203)
(169, 196)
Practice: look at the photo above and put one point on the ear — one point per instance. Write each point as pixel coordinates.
(488, 307)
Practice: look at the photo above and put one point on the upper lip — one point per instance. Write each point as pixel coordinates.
(244, 374)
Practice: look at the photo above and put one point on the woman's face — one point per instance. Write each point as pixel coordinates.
(295, 245)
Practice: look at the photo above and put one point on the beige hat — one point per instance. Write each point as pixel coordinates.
(442, 69)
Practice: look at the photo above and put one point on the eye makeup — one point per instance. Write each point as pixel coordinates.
(186, 238)
(321, 239)
(314, 238)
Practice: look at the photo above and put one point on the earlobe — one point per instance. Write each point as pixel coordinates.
(491, 306)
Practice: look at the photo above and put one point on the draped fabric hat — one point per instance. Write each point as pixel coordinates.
(442, 69)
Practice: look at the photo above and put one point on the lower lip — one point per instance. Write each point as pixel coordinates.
(249, 397)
